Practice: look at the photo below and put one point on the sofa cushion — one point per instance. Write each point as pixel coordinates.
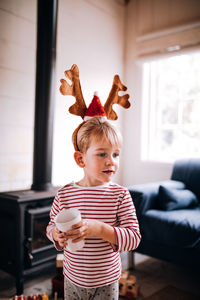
(171, 199)
(188, 171)
(177, 228)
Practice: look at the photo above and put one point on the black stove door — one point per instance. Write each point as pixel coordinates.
(38, 248)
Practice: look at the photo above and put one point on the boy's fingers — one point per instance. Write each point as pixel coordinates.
(61, 234)
(77, 225)
(76, 232)
(78, 239)
(62, 244)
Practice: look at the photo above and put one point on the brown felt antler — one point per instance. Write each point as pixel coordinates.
(79, 107)
(114, 98)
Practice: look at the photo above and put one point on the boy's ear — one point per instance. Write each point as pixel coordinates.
(78, 156)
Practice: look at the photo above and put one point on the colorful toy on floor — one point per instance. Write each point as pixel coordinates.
(128, 286)
(32, 297)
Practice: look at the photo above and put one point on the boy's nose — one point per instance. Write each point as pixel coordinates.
(110, 161)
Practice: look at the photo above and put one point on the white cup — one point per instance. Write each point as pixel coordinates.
(64, 221)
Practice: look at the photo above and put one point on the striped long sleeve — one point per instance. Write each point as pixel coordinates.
(128, 233)
(98, 262)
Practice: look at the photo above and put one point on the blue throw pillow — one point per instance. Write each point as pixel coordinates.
(171, 199)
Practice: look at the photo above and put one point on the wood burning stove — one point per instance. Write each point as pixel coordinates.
(25, 249)
(24, 215)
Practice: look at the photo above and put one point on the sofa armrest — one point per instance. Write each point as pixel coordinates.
(145, 195)
(137, 198)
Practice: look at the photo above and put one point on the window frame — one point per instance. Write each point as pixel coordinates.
(149, 113)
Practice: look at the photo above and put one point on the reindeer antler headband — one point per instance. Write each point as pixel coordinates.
(79, 108)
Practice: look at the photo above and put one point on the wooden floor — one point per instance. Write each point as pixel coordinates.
(152, 275)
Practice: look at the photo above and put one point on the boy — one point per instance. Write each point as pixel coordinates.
(109, 223)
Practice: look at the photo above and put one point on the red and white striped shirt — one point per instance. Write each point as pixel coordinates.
(98, 262)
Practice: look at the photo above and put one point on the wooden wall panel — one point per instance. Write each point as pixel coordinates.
(155, 15)
(17, 92)
(162, 24)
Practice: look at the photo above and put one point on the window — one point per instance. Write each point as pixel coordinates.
(171, 108)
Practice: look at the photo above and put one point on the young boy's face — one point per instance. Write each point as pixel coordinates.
(101, 162)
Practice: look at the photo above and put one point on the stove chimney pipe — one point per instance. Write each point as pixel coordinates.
(44, 96)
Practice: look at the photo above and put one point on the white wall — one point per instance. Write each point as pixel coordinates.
(101, 38)
(17, 89)
(90, 34)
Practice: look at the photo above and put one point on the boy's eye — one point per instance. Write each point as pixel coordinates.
(115, 154)
(101, 154)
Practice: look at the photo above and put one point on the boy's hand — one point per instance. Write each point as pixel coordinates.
(82, 230)
(59, 237)
(91, 228)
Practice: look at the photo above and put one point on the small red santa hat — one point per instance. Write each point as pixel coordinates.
(95, 109)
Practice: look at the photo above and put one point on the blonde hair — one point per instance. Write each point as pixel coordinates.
(96, 128)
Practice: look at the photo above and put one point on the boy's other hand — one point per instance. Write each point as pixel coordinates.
(84, 229)
(59, 237)
(87, 228)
